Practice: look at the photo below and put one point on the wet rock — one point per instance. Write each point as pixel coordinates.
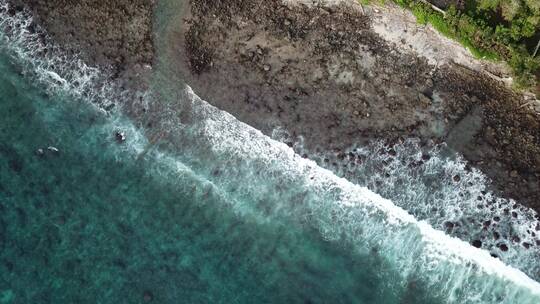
(503, 247)
(490, 136)
(120, 137)
(53, 150)
(148, 296)
(40, 152)
(477, 243)
(449, 225)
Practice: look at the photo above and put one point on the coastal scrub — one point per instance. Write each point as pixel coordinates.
(506, 30)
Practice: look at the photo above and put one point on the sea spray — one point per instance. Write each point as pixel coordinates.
(444, 191)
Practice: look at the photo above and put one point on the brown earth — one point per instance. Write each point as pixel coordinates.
(321, 72)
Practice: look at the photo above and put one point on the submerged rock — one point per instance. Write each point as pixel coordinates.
(53, 150)
(148, 296)
(120, 136)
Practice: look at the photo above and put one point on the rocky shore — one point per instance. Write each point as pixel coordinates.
(116, 36)
(321, 70)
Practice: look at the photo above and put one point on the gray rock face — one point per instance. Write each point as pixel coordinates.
(460, 4)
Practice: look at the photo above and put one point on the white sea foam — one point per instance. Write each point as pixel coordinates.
(441, 190)
(280, 184)
(49, 65)
(266, 178)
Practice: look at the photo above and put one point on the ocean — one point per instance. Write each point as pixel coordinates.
(197, 207)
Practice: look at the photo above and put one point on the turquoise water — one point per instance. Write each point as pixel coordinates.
(95, 224)
(213, 212)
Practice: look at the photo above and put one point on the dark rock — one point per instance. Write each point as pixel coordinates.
(53, 150)
(457, 178)
(148, 296)
(120, 136)
(40, 152)
(477, 243)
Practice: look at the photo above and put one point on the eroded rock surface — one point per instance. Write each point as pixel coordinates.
(116, 35)
(322, 72)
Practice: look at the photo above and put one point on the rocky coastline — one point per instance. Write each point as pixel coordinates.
(322, 72)
(318, 70)
(116, 36)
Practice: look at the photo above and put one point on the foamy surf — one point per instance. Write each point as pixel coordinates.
(443, 191)
(251, 165)
(266, 179)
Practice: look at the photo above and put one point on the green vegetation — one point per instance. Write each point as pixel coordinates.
(506, 30)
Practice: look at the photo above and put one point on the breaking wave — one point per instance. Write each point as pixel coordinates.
(446, 192)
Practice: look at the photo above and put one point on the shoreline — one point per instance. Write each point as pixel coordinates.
(477, 218)
(324, 73)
